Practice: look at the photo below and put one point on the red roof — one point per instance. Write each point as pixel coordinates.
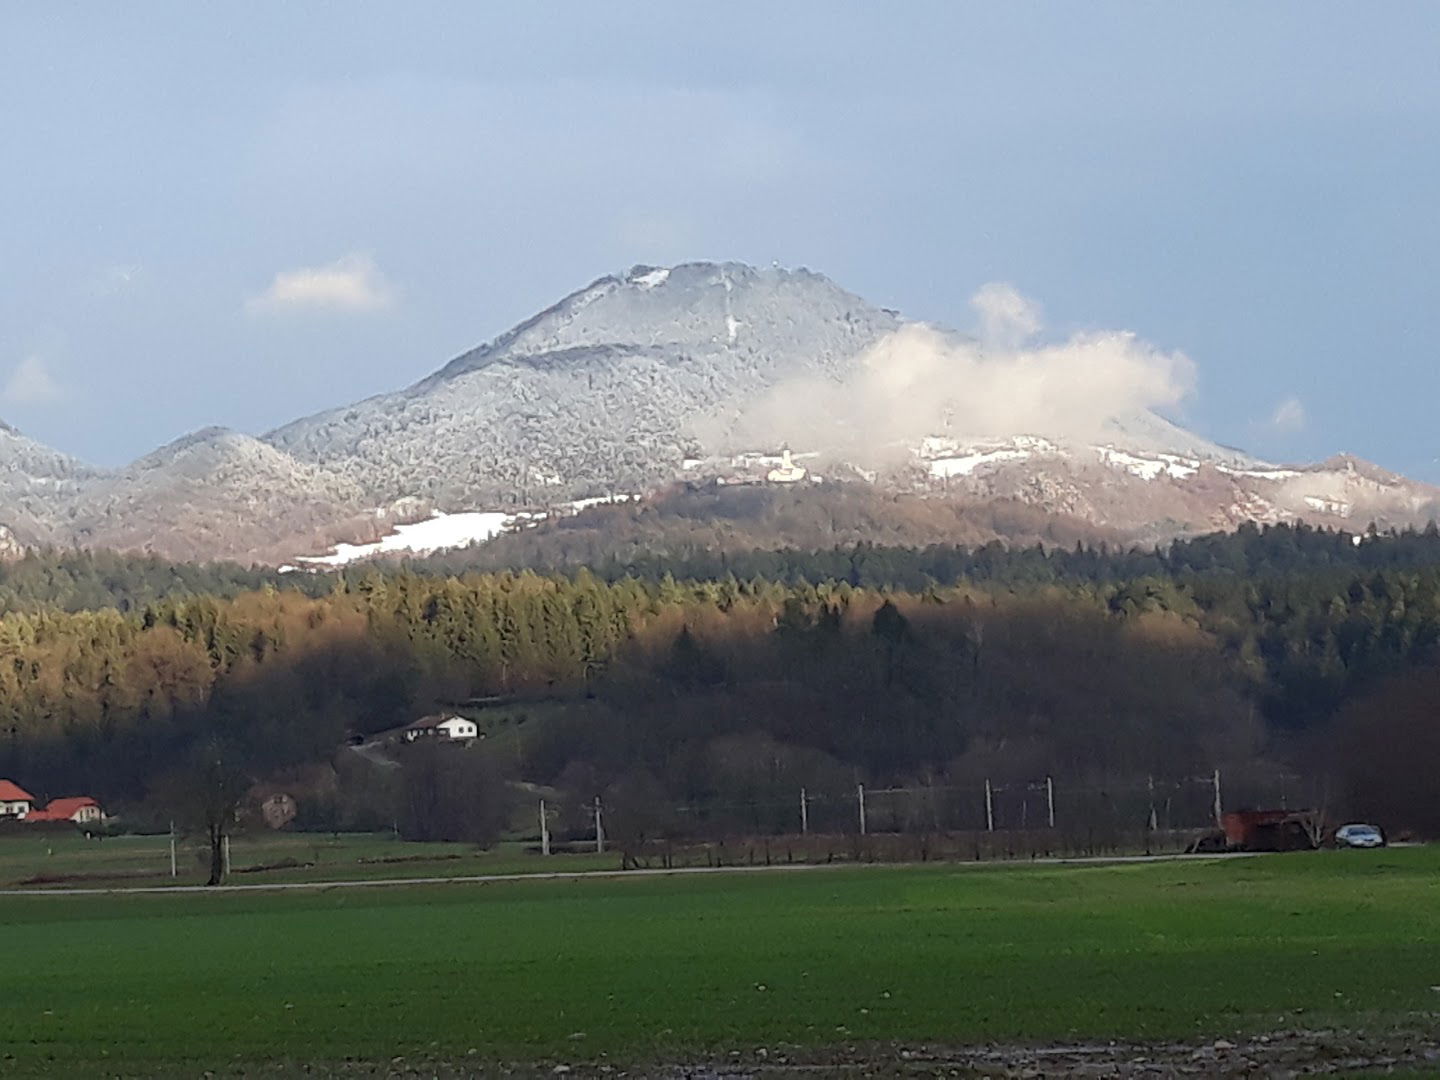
(62, 809)
(10, 792)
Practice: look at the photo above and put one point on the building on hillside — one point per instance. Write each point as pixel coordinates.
(15, 801)
(787, 472)
(80, 809)
(442, 726)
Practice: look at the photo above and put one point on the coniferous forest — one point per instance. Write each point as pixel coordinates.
(705, 677)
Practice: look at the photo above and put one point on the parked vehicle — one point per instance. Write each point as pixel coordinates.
(1359, 836)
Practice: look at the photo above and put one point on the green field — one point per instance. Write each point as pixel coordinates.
(65, 859)
(666, 968)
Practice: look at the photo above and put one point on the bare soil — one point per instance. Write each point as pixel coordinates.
(1281, 1054)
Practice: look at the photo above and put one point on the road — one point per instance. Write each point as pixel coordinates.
(603, 875)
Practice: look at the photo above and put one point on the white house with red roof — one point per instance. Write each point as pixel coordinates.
(15, 801)
(80, 809)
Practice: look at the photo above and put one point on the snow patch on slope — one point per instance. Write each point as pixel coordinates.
(1261, 474)
(442, 532)
(1150, 468)
(445, 532)
(945, 468)
(1328, 506)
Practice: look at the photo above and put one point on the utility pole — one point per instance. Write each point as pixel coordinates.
(860, 794)
(544, 831)
(599, 829)
(1050, 799)
(1152, 823)
(225, 854)
(1219, 813)
(804, 814)
(174, 870)
(989, 807)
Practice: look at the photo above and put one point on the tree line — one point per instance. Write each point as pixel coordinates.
(1272, 647)
(69, 580)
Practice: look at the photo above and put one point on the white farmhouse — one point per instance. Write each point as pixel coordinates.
(79, 809)
(15, 801)
(442, 726)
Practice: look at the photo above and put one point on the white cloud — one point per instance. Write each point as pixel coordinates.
(31, 383)
(918, 381)
(1289, 415)
(1006, 317)
(353, 283)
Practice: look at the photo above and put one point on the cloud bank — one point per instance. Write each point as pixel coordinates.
(351, 284)
(920, 381)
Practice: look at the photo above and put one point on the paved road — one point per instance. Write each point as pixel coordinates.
(589, 875)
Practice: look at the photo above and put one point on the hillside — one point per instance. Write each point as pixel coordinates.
(215, 493)
(37, 484)
(730, 520)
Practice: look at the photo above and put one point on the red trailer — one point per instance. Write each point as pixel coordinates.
(1273, 830)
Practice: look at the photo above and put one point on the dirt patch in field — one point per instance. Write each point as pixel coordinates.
(99, 877)
(1280, 1054)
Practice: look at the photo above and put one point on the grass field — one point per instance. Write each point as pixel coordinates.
(661, 968)
(64, 858)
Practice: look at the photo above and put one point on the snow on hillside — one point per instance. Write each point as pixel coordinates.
(442, 532)
(1262, 474)
(944, 468)
(1150, 467)
(445, 532)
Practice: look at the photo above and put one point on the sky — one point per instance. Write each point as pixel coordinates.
(242, 214)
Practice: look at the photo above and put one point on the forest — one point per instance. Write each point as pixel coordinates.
(686, 681)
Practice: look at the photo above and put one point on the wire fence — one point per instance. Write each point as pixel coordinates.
(1045, 817)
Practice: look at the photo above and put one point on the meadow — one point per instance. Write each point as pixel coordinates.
(32, 857)
(648, 969)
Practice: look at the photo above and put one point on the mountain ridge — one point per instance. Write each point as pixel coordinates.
(637, 381)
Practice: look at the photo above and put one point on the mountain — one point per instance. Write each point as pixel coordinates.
(215, 492)
(36, 485)
(597, 394)
(678, 382)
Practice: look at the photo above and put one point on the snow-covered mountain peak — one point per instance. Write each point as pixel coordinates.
(698, 373)
(691, 307)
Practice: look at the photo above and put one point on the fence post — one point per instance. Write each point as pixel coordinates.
(989, 807)
(599, 829)
(1219, 813)
(1050, 799)
(860, 793)
(544, 831)
(804, 814)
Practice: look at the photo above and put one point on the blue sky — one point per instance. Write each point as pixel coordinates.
(238, 215)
